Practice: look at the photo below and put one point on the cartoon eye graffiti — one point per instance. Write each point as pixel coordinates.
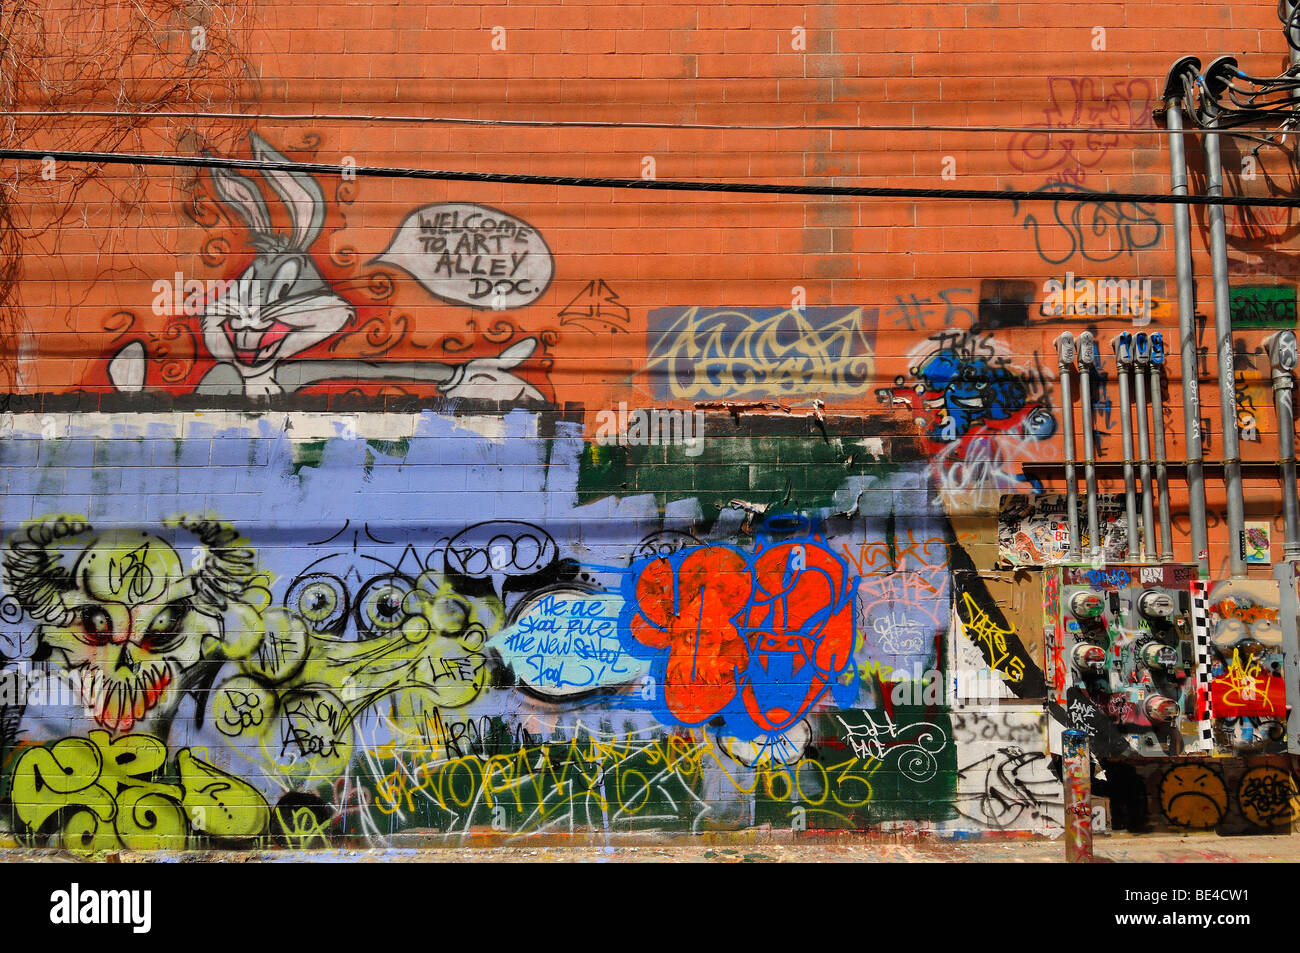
(164, 632)
(96, 626)
(1040, 423)
(379, 605)
(283, 281)
(321, 600)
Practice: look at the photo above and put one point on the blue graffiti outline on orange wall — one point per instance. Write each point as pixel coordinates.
(758, 638)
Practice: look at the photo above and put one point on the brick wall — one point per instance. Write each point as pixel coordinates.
(430, 508)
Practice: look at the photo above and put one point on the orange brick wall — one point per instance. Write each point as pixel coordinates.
(927, 95)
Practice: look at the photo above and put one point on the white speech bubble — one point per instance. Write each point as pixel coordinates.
(473, 255)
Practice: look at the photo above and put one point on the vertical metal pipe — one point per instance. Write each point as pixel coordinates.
(1065, 362)
(1142, 356)
(1224, 352)
(1282, 355)
(1158, 440)
(1288, 610)
(1187, 330)
(1087, 361)
(1076, 763)
(1122, 344)
(1292, 28)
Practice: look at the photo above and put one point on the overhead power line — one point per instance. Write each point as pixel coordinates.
(654, 185)
(601, 124)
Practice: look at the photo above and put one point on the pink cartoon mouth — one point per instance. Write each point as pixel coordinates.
(256, 345)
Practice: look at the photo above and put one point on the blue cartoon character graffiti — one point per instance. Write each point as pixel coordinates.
(969, 388)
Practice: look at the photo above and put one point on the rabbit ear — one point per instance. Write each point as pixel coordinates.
(299, 192)
(241, 195)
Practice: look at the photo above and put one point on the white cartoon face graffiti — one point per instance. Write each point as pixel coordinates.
(279, 307)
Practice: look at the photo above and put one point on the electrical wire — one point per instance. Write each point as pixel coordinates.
(1049, 194)
(611, 124)
(1230, 105)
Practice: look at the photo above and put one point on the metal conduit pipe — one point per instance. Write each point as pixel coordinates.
(1142, 357)
(1158, 440)
(1122, 344)
(1087, 361)
(1214, 81)
(1173, 93)
(1292, 27)
(1282, 355)
(1065, 362)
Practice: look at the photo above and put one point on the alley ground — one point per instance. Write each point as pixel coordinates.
(1115, 848)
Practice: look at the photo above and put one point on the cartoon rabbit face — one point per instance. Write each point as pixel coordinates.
(281, 305)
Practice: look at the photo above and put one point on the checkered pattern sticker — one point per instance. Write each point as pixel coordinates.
(1201, 641)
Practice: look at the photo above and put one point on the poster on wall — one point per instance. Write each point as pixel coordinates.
(1258, 542)
(1034, 530)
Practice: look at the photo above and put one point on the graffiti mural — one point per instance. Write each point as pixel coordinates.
(1081, 101)
(473, 255)
(256, 324)
(1247, 691)
(1263, 306)
(1006, 780)
(1229, 796)
(1094, 231)
(978, 410)
(757, 638)
(702, 353)
(545, 670)
(103, 793)
(596, 307)
(123, 615)
(512, 471)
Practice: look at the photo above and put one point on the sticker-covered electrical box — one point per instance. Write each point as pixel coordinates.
(1243, 691)
(1152, 662)
(1128, 656)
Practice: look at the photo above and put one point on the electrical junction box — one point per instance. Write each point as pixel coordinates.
(1123, 657)
(1242, 686)
(1150, 661)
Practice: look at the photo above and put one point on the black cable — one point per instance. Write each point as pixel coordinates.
(593, 123)
(1049, 194)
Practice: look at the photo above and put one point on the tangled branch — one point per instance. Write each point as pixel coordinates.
(142, 57)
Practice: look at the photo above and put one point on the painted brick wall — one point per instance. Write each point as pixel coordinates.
(419, 508)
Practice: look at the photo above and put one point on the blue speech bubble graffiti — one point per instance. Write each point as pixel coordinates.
(565, 642)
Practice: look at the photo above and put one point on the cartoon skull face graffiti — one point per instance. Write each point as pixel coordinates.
(128, 620)
(129, 631)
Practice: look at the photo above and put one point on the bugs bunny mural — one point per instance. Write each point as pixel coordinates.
(282, 305)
